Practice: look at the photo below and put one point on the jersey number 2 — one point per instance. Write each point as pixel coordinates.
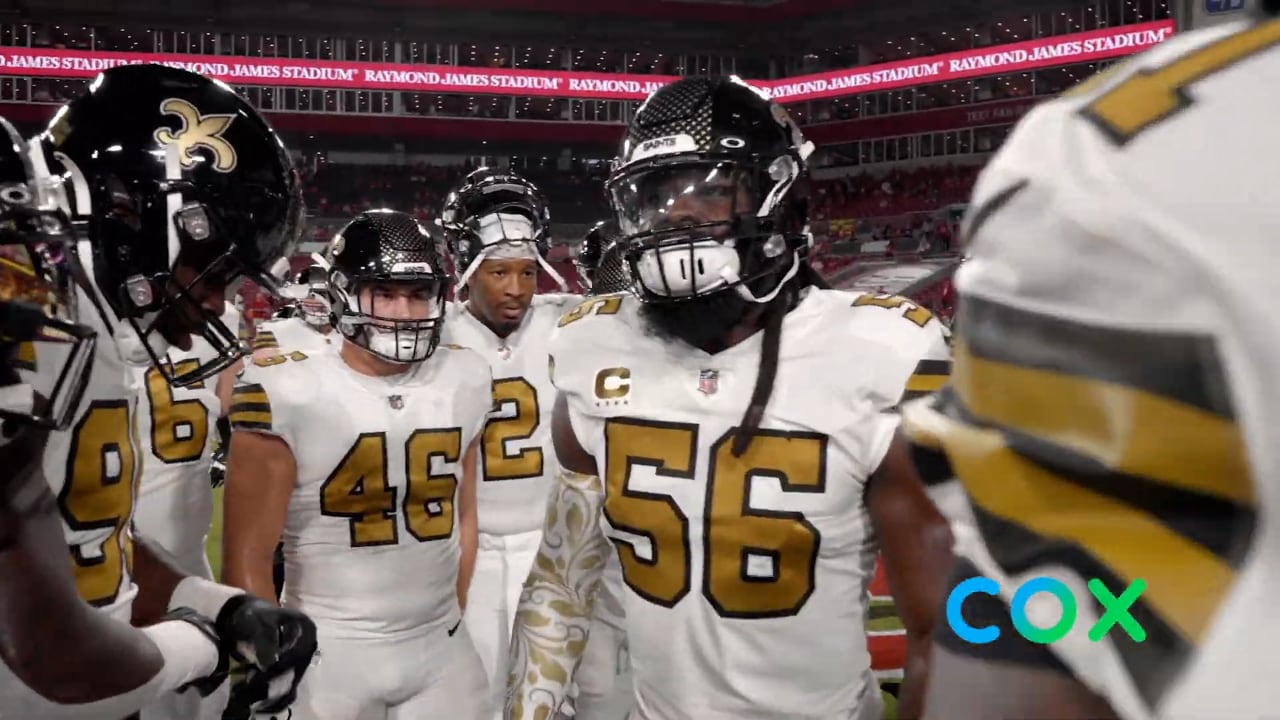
(1149, 97)
(98, 496)
(499, 464)
(358, 489)
(757, 563)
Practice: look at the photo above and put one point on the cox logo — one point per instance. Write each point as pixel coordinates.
(1116, 610)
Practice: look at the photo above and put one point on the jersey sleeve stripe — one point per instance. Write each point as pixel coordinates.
(1121, 428)
(1152, 664)
(264, 340)
(1180, 367)
(1051, 510)
(929, 376)
(250, 408)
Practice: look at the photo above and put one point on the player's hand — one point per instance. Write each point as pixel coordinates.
(274, 644)
(218, 469)
(212, 681)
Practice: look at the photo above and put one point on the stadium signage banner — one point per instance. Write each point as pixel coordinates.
(1092, 46)
(1049, 52)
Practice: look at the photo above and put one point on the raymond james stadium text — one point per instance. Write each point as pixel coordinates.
(1082, 47)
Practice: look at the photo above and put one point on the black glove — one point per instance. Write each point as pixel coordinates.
(211, 682)
(218, 469)
(273, 644)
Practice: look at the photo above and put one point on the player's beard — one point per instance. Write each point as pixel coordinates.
(705, 322)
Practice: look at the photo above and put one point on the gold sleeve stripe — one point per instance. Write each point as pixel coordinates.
(1101, 393)
(1127, 430)
(265, 339)
(928, 377)
(1133, 543)
(1075, 451)
(250, 408)
(1042, 519)
(26, 357)
(1181, 367)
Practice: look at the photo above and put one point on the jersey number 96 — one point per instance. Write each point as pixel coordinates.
(97, 500)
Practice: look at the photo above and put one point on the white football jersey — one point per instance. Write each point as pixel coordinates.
(176, 431)
(92, 468)
(289, 334)
(370, 543)
(516, 463)
(1116, 397)
(745, 577)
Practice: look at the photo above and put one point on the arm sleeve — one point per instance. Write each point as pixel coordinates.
(554, 614)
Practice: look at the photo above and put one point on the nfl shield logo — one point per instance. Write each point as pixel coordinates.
(397, 402)
(708, 381)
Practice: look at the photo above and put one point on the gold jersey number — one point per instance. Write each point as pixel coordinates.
(913, 312)
(757, 563)
(359, 489)
(179, 428)
(499, 462)
(1151, 96)
(594, 306)
(98, 498)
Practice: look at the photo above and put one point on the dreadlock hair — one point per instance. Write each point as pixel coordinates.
(774, 314)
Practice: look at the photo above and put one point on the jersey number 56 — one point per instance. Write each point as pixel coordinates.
(757, 563)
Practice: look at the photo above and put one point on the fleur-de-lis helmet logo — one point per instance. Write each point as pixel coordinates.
(198, 131)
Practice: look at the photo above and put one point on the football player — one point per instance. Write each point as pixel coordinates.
(498, 230)
(746, 539)
(1112, 416)
(177, 429)
(306, 328)
(370, 482)
(177, 188)
(601, 683)
(55, 646)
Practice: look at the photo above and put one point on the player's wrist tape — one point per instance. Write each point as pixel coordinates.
(189, 654)
(204, 596)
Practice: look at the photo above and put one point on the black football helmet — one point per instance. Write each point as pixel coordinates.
(165, 168)
(381, 247)
(496, 214)
(39, 277)
(710, 190)
(310, 291)
(600, 261)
